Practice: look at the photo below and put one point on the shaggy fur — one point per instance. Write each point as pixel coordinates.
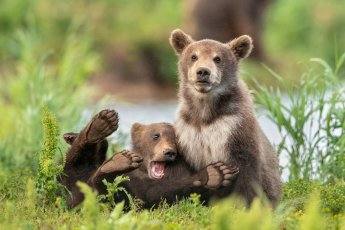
(86, 162)
(216, 120)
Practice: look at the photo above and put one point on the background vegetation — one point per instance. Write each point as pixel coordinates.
(49, 49)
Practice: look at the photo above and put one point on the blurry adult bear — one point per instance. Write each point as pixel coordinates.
(216, 119)
(222, 20)
(155, 169)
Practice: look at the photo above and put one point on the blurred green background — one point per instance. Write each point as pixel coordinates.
(58, 59)
(131, 37)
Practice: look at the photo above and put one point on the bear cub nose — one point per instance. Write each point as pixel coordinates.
(170, 155)
(203, 73)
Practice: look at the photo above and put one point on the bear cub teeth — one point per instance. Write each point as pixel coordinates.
(157, 169)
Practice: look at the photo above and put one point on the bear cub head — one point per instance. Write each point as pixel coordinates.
(207, 66)
(156, 143)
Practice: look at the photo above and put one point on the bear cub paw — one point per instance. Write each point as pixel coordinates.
(216, 175)
(121, 162)
(102, 125)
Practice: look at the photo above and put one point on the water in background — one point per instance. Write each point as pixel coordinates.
(166, 112)
(158, 112)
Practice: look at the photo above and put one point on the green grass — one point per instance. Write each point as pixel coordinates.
(311, 121)
(47, 55)
(31, 198)
(25, 210)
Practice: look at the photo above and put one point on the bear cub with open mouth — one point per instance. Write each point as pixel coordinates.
(155, 169)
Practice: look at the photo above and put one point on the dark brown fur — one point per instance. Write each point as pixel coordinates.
(86, 162)
(222, 110)
(87, 153)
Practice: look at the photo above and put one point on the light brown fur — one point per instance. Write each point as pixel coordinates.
(216, 119)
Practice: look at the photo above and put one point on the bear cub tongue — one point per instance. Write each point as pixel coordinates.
(157, 169)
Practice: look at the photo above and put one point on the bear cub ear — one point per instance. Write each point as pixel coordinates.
(179, 40)
(241, 46)
(136, 127)
(136, 133)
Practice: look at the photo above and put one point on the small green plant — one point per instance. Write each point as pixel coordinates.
(48, 168)
(91, 211)
(114, 188)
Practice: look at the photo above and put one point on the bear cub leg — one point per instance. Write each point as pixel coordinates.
(119, 164)
(91, 139)
(87, 152)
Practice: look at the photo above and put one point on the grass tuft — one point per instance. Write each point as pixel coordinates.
(48, 167)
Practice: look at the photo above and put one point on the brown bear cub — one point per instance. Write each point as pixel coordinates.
(155, 169)
(216, 120)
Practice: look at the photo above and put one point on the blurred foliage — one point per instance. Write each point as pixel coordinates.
(297, 191)
(128, 27)
(126, 30)
(298, 30)
(332, 195)
(34, 82)
(310, 118)
(28, 212)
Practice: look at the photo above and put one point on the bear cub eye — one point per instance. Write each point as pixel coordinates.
(217, 59)
(156, 136)
(194, 57)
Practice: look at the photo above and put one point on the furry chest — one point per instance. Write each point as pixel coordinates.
(208, 144)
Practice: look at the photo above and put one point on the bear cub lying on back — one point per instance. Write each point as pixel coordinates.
(155, 169)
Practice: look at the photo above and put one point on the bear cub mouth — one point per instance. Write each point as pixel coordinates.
(203, 86)
(157, 169)
(203, 82)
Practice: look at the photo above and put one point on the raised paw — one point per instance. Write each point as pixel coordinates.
(216, 175)
(121, 162)
(102, 125)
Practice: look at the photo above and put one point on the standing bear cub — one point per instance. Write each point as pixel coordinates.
(155, 169)
(216, 120)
